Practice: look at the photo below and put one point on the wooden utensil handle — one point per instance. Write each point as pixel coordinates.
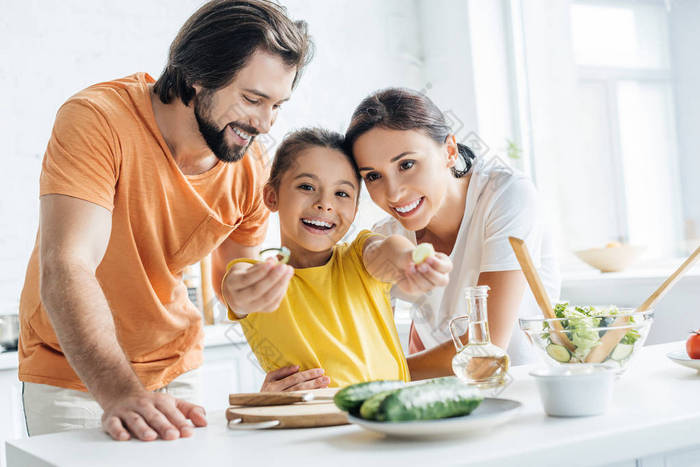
(261, 399)
(670, 282)
(612, 337)
(533, 279)
(207, 296)
(609, 340)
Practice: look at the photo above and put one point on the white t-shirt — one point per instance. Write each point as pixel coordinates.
(500, 203)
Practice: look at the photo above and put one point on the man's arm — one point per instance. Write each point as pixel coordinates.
(73, 239)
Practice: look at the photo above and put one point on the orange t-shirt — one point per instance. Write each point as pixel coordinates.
(106, 148)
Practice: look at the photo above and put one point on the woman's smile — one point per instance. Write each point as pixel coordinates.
(409, 209)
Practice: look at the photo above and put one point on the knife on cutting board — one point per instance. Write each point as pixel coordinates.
(260, 399)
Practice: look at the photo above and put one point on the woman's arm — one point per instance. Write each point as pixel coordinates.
(390, 259)
(506, 294)
(504, 301)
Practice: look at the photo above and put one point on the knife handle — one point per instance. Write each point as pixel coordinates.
(259, 399)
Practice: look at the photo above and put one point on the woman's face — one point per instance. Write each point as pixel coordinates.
(406, 173)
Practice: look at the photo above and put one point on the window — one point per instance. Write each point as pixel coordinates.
(602, 121)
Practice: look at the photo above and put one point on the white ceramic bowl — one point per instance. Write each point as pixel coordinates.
(575, 390)
(611, 259)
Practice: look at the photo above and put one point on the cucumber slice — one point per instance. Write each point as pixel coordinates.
(558, 353)
(422, 251)
(621, 352)
(282, 254)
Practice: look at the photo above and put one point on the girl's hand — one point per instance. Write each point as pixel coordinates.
(289, 378)
(256, 288)
(424, 277)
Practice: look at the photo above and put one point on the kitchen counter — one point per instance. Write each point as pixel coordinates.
(656, 410)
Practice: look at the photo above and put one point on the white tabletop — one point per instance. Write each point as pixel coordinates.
(656, 408)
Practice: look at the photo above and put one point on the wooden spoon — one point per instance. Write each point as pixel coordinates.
(611, 338)
(535, 283)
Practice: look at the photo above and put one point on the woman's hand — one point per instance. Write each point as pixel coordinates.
(289, 378)
(256, 288)
(424, 277)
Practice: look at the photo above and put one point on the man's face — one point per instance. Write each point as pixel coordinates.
(230, 117)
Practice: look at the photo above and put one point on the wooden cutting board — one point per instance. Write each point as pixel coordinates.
(315, 413)
(300, 415)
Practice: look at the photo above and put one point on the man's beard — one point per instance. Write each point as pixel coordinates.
(214, 137)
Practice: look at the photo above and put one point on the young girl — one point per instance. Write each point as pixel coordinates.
(436, 191)
(330, 310)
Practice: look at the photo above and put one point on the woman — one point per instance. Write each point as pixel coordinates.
(437, 191)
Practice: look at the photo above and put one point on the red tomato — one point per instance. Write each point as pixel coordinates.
(692, 345)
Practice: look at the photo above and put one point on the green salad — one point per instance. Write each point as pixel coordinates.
(581, 324)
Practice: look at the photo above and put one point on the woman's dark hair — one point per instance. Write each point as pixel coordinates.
(300, 140)
(404, 109)
(220, 37)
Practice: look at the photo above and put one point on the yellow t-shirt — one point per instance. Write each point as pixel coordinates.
(336, 317)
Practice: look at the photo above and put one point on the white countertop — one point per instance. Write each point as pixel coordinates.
(652, 273)
(656, 409)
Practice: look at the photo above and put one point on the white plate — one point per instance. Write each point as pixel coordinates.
(491, 412)
(681, 357)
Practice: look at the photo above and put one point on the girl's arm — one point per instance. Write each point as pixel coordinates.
(390, 260)
(255, 288)
(506, 293)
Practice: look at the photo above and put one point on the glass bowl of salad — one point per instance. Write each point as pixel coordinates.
(582, 338)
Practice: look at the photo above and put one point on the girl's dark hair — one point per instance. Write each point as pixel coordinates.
(301, 140)
(404, 109)
(220, 37)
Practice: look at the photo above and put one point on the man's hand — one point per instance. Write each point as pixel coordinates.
(433, 272)
(151, 415)
(256, 288)
(289, 378)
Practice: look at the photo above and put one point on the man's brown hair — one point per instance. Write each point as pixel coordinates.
(219, 38)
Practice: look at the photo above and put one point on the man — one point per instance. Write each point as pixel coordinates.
(139, 180)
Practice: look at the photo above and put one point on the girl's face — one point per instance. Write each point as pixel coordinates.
(316, 200)
(405, 172)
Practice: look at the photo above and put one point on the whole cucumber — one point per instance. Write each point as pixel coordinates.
(350, 398)
(428, 402)
(369, 408)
